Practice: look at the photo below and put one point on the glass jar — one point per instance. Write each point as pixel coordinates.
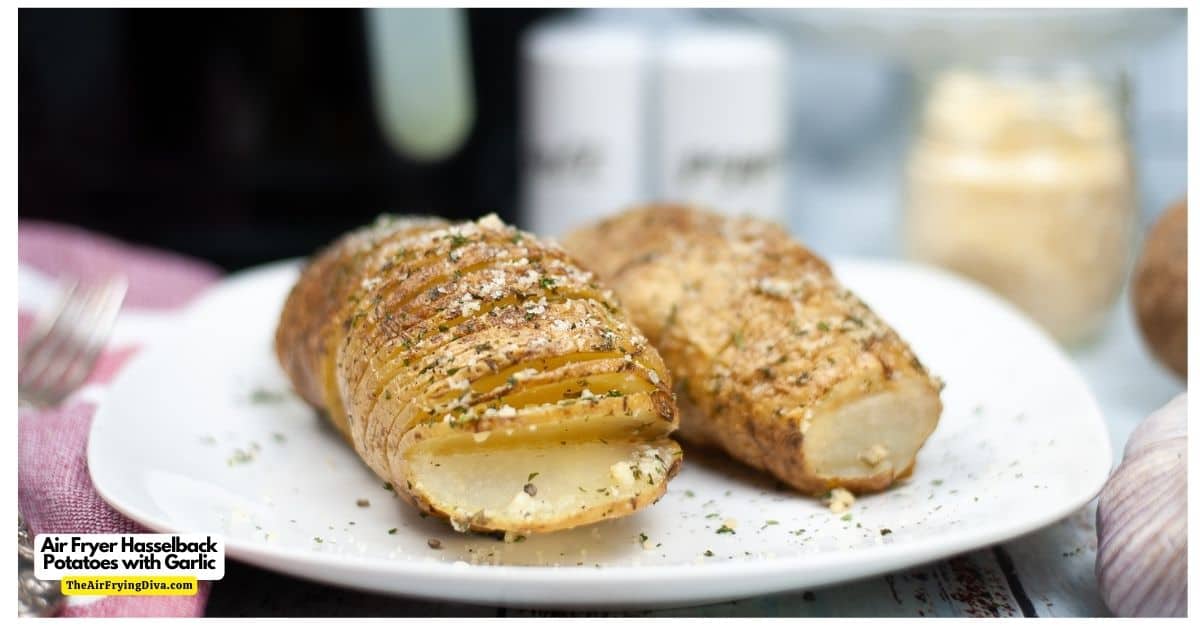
(1019, 176)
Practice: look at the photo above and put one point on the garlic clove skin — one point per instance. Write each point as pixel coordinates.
(1166, 423)
(1141, 520)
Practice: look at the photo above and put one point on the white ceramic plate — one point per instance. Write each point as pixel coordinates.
(200, 434)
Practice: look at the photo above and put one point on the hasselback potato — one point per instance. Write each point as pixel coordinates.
(775, 362)
(483, 374)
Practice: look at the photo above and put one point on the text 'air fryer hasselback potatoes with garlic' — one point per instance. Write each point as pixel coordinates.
(775, 362)
(483, 374)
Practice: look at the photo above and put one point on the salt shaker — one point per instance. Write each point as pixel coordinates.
(722, 118)
(584, 124)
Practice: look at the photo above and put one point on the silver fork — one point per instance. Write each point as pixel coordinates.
(61, 352)
(66, 341)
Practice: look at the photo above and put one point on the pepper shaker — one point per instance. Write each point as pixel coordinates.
(722, 117)
(583, 116)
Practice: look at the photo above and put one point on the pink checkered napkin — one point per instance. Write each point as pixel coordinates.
(54, 490)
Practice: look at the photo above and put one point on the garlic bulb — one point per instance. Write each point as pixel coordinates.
(1141, 521)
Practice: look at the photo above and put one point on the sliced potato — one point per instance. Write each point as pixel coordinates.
(775, 361)
(483, 374)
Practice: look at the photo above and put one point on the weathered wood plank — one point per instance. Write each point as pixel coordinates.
(971, 585)
(1056, 566)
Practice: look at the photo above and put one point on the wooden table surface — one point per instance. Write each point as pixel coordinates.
(1046, 573)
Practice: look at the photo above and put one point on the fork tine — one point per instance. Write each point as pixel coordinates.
(73, 342)
(65, 356)
(45, 321)
(48, 351)
(98, 328)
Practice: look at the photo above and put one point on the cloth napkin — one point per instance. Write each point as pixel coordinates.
(54, 489)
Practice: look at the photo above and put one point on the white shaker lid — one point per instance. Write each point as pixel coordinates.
(705, 46)
(571, 41)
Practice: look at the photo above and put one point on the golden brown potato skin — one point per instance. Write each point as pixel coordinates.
(305, 337)
(759, 335)
(1160, 289)
(415, 332)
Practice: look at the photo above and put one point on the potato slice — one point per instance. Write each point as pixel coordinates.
(519, 482)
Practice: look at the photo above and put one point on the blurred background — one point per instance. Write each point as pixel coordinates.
(252, 135)
(244, 136)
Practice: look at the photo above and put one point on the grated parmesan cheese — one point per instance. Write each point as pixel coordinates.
(840, 500)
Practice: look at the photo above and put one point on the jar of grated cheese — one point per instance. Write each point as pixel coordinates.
(1019, 176)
